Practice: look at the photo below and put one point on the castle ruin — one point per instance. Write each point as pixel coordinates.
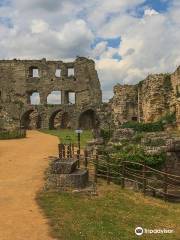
(76, 83)
(79, 96)
(149, 100)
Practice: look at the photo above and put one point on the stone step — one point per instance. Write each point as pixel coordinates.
(77, 179)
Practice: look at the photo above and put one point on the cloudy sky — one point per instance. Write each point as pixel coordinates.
(128, 39)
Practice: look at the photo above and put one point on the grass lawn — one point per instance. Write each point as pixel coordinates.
(112, 215)
(63, 133)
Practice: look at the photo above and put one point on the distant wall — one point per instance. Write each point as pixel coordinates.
(149, 100)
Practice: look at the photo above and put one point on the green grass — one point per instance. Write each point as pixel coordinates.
(63, 133)
(112, 215)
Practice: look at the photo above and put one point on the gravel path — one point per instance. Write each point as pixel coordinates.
(22, 164)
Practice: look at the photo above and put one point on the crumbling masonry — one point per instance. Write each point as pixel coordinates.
(149, 100)
(20, 79)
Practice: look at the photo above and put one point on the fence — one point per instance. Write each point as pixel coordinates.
(148, 180)
(127, 174)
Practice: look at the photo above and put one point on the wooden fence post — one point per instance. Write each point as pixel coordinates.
(70, 145)
(73, 149)
(60, 150)
(68, 151)
(78, 157)
(63, 151)
(96, 167)
(165, 187)
(85, 158)
(123, 175)
(144, 178)
(108, 170)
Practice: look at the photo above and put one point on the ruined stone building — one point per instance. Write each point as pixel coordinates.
(74, 84)
(149, 100)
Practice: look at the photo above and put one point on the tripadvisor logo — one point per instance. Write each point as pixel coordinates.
(139, 231)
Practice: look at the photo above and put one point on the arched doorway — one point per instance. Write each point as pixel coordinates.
(88, 120)
(31, 120)
(59, 120)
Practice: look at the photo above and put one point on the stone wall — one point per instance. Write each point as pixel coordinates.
(125, 103)
(19, 79)
(149, 100)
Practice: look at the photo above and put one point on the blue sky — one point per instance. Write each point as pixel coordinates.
(128, 39)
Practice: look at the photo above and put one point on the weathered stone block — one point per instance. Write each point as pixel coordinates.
(77, 179)
(64, 166)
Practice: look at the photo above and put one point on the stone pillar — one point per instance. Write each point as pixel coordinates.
(44, 121)
(64, 97)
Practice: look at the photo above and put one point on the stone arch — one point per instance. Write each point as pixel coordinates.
(59, 119)
(88, 120)
(31, 119)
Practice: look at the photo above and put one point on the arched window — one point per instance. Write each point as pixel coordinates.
(54, 97)
(35, 98)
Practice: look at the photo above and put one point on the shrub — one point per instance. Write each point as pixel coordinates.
(144, 127)
(106, 134)
(12, 134)
(158, 126)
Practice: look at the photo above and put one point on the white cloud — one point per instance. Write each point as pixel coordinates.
(64, 29)
(39, 26)
(150, 12)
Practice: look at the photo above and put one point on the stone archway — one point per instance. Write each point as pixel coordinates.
(59, 119)
(88, 120)
(31, 120)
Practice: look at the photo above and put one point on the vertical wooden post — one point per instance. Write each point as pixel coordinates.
(60, 150)
(85, 158)
(144, 178)
(165, 187)
(73, 149)
(68, 151)
(70, 145)
(78, 157)
(108, 170)
(63, 151)
(96, 167)
(123, 175)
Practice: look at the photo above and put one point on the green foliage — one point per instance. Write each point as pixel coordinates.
(106, 134)
(136, 153)
(4, 135)
(157, 142)
(158, 126)
(144, 127)
(168, 118)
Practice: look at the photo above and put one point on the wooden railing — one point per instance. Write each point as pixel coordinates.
(149, 180)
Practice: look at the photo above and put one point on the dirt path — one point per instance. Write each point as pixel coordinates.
(22, 164)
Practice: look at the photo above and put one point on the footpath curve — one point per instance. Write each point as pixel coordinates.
(22, 166)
